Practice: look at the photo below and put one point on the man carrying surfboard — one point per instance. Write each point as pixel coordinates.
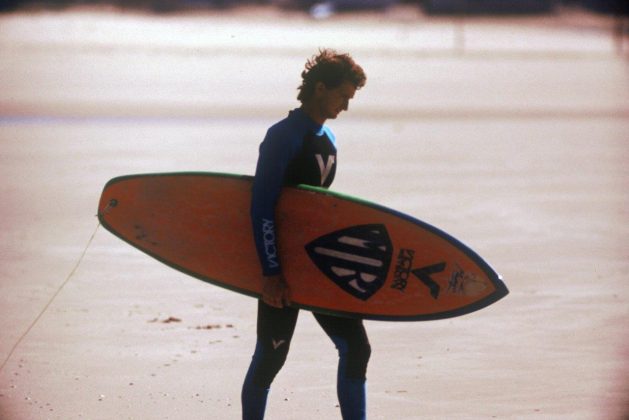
(300, 149)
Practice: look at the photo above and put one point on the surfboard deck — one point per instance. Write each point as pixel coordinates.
(340, 255)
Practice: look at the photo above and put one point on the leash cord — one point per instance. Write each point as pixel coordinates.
(54, 296)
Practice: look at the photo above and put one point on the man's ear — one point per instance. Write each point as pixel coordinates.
(320, 88)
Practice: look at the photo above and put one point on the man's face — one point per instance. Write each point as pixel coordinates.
(333, 101)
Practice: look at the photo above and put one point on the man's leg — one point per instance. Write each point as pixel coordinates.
(275, 330)
(351, 340)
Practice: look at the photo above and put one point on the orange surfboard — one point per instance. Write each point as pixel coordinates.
(340, 255)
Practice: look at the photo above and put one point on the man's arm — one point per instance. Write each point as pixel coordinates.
(276, 151)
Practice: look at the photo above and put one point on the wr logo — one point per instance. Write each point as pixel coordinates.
(357, 259)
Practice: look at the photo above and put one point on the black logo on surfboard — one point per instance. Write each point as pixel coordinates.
(357, 259)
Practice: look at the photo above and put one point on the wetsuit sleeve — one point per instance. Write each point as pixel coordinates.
(276, 151)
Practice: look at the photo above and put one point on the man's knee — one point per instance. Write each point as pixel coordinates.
(354, 352)
(357, 360)
(268, 360)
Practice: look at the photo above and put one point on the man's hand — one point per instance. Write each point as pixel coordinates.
(275, 291)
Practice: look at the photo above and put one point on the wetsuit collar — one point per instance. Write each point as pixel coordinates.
(304, 119)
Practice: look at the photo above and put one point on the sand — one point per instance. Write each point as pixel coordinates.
(511, 134)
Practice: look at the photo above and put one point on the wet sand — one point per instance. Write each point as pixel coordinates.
(516, 142)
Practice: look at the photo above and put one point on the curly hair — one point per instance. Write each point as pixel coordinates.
(332, 69)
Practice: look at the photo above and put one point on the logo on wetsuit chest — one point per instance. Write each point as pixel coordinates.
(357, 259)
(325, 168)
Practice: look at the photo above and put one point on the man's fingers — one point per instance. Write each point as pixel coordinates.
(276, 303)
(286, 296)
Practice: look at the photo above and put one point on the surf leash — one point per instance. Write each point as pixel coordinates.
(54, 296)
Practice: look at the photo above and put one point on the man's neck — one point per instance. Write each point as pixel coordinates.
(312, 112)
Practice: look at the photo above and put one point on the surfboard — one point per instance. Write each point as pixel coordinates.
(340, 255)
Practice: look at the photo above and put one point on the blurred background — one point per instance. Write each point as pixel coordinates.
(320, 8)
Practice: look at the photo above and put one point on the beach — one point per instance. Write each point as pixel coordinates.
(509, 133)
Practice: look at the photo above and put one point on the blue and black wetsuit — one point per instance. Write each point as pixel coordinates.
(297, 150)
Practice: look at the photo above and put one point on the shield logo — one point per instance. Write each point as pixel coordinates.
(357, 259)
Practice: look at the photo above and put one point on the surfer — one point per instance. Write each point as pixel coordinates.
(300, 149)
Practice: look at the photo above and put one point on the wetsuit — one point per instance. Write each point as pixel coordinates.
(297, 150)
